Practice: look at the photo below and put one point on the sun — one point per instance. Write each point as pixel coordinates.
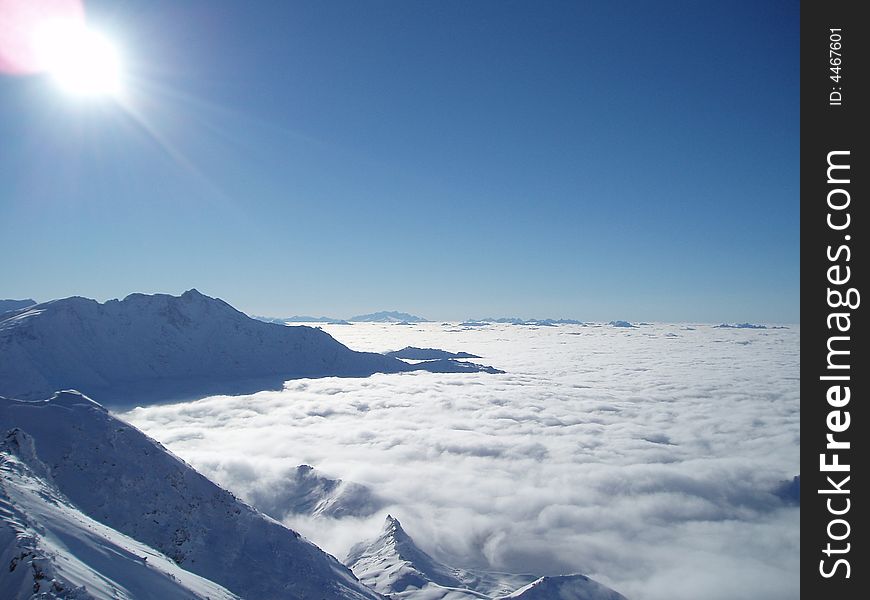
(82, 62)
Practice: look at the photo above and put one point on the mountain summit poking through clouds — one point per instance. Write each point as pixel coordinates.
(306, 491)
(161, 347)
(395, 566)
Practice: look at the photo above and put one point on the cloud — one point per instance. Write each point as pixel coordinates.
(645, 461)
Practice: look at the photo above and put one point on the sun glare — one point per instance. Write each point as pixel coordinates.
(83, 62)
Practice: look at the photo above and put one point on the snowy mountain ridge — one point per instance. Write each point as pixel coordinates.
(160, 347)
(97, 474)
(393, 565)
(53, 550)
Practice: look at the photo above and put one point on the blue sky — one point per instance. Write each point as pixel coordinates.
(607, 160)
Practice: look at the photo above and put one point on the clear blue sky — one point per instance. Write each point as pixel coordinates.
(605, 160)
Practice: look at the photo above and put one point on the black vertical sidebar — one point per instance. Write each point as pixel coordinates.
(835, 64)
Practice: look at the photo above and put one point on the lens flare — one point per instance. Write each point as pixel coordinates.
(52, 37)
(82, 62)
(21, 20)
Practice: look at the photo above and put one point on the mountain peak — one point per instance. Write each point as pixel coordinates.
(395, 536)
(393, 562)
(392, 527)
(388, 316)
(195, 294)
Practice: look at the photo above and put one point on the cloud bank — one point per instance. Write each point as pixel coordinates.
(647, 458)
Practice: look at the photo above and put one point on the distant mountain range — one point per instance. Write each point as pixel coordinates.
(519, 321)
(159, 347)
(747, 326)
(398, 317)
(402, 317)
(386, 316)
(294, 319)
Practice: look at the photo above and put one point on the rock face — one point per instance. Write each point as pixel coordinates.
(160, 347)
(116, 476)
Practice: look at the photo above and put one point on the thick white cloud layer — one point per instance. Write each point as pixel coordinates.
(642, 457)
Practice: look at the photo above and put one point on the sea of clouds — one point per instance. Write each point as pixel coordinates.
(645, 458)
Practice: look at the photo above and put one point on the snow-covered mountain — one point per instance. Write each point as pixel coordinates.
(393, 565)
(161, 347)
(565, 587)
(306, 491)
(7, 305)
(388, 316)
(82, 461)
(50, 549)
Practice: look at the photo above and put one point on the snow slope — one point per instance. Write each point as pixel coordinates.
(393, 565)
(53, 550)
(160, 347)
(119, 477)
